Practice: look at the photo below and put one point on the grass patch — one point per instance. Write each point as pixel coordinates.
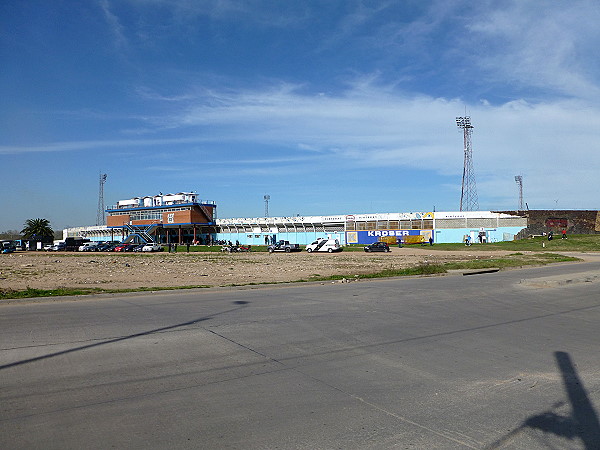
(7, 294)
(32, 293)
(573, 243)
(538, 259)
(421, 269)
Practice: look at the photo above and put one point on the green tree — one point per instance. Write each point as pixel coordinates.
(37, 229)
(10, 235)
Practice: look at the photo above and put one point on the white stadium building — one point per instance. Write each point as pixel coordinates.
(183, 218)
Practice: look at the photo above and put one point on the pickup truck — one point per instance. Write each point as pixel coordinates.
(284, 246)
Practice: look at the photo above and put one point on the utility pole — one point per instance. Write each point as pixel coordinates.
(100, 218)
(468, 195)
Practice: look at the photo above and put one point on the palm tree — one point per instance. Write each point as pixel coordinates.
(37, 229)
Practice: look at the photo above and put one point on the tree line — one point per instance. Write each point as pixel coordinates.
(33, 229)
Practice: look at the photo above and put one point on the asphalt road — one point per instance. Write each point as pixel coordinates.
(479, 361)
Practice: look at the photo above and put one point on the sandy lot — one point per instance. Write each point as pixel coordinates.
(118, 271)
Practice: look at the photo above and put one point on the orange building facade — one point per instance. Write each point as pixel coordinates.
(173, 218)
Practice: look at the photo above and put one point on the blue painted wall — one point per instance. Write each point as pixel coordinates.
(445, 236)
(302, 238)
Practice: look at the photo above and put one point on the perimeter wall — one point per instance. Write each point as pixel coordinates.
(543, 221)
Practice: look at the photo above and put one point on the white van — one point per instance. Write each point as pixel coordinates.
(324, 245)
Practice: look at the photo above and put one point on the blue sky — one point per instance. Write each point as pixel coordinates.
(330, 107)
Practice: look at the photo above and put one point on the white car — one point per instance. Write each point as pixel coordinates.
(88, 247)
(324, 245)
(152, 248)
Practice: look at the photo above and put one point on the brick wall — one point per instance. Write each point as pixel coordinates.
(574, 221)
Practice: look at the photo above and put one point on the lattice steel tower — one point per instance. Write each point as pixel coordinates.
(267, 198)
(468, 195)
(519, 180)
(100, 218)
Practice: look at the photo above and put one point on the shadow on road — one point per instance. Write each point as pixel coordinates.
(123, 338)
(582, 423)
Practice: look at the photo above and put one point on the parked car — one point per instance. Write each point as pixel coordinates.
(7, 247)
(324, 245)
(47, 247)
(284, 246)
(58, 247)
(138, 247)
(89, 247)
(152, 248)
(121, 247)
(377, 247)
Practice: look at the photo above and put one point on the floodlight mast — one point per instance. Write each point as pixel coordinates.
(267, 198)
(519, 180)
(468, 195)
(100, 216)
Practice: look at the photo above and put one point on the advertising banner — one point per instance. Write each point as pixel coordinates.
(371, 236)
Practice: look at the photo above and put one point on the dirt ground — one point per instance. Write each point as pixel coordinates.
(119, 271)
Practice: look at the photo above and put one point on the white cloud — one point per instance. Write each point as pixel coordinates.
(370, 126)
(551, 47)
(114, 25)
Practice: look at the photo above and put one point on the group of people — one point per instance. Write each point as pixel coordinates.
(551, 235)
(482, 239)
(270, 240)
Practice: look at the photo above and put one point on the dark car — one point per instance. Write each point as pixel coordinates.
(377, 247)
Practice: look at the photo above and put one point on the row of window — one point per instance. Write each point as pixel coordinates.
(155, 212)
(422, 224)
(146, 215)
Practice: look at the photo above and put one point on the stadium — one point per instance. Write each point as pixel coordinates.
(185, 218)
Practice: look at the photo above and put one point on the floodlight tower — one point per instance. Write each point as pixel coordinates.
(519, 180)
(267, 198)
(468, 195)
(100, 218)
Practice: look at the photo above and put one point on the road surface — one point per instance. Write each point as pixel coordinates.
(482, 361)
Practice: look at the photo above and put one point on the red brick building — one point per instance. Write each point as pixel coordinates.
(172, 218)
